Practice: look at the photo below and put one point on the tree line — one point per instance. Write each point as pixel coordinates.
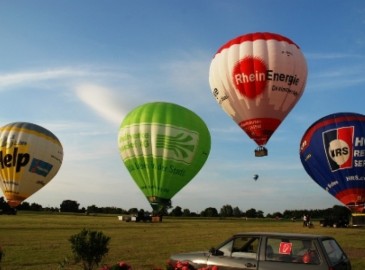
(225, 211)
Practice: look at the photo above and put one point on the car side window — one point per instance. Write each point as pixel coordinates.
(334, 252)
(291, 250)
(226, 249)
(245, 247)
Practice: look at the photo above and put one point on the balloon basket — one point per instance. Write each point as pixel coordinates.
(156, 219)
(260, 152)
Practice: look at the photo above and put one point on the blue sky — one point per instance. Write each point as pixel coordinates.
(77, 68)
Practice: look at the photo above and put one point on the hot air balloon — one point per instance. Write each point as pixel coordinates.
(30, 156)
(332, 152)
(163, 146)
(257, 79)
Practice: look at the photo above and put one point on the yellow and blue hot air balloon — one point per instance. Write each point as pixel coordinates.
(30, 156)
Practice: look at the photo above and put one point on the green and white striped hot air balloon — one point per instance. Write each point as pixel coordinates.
(163, 146)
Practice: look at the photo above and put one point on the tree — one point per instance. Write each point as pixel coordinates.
(176, 212)
(226, 211)
(35, 207)
(251, 213)
(24, 206)
(260, 214)
(3, 203)
(133, 211)
(5, 208)
(186, 212)
(69, 206)
(92, 209)
(237, 212)
(209, 212)
(277, 215)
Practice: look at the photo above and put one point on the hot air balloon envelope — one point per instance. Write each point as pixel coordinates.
(332, 152)
(163, 146)
(257, 79)
(30, 156)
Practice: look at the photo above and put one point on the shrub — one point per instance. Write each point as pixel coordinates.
(89, 247)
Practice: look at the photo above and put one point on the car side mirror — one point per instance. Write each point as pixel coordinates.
(216, 252)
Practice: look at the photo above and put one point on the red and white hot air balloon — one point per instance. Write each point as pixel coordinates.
(257, 79)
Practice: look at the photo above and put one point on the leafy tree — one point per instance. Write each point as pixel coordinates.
(35, 207)
(5, 208)
(209, 212)
(93, 209)
(226, 211)
(260, 214)
(277, 215)
(140, 214)
(69, 206)
(251, 213)
(176, 212)
(24, 206)
(2, 201)
(133, 211)
(237, 212)
(186, 212)
(89, 247)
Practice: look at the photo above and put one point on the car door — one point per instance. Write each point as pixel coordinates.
(240, 252)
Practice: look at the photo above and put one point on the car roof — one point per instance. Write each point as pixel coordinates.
(281, 234)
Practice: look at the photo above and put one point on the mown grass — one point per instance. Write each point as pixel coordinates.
(41, 241)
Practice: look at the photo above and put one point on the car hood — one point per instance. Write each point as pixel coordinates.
(199, 257)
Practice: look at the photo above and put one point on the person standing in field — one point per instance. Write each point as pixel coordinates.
(305, 219)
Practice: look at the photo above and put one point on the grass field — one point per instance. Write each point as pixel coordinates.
(41, 241)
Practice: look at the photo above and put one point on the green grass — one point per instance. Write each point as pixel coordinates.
(41, 241)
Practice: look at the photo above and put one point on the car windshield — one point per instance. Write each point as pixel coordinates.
(334, 252)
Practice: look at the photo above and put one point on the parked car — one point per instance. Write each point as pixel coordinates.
(270, 251)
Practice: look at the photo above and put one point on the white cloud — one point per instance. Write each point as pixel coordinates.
(103, 101)
(26, 77)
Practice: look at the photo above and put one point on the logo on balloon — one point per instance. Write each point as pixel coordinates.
(179, 145)
(40, 167)
(338, 144)
(249, 76)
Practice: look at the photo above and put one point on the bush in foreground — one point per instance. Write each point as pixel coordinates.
(89, 247)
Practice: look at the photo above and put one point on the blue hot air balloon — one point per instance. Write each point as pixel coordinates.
(332, 152)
